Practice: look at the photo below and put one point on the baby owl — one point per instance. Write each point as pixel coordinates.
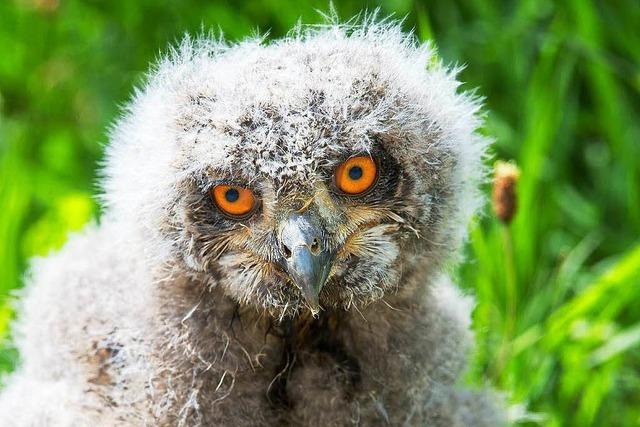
(277, 220)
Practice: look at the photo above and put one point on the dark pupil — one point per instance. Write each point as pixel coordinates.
(232, 195)
(355, 173)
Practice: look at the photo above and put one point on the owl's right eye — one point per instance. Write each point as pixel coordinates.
(234, 201)
(356, 175)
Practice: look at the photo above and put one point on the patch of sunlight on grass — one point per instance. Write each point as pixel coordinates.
(70, 213)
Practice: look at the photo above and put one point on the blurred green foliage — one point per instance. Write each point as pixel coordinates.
(558, 316)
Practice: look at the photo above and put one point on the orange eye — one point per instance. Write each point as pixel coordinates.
(234, 201)
(356, 175)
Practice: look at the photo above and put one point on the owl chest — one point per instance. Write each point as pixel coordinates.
(313, 361)
(312, 371)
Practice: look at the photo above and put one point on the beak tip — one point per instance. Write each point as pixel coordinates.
(314, 308)
(308, 273)
(313, 303)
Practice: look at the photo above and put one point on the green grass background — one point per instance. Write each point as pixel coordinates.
(558, 316)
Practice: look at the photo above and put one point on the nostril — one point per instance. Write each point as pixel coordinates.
(286, 251)
(315, 246)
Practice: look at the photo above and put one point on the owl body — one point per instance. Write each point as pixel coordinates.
(175, 310)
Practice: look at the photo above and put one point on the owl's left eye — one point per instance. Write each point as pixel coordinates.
(356, 175)
(237, 202)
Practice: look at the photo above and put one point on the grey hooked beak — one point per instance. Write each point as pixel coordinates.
(304, 255)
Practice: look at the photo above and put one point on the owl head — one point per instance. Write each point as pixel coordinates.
(324, 170)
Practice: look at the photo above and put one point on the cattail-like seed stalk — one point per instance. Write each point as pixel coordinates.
(504, 196)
